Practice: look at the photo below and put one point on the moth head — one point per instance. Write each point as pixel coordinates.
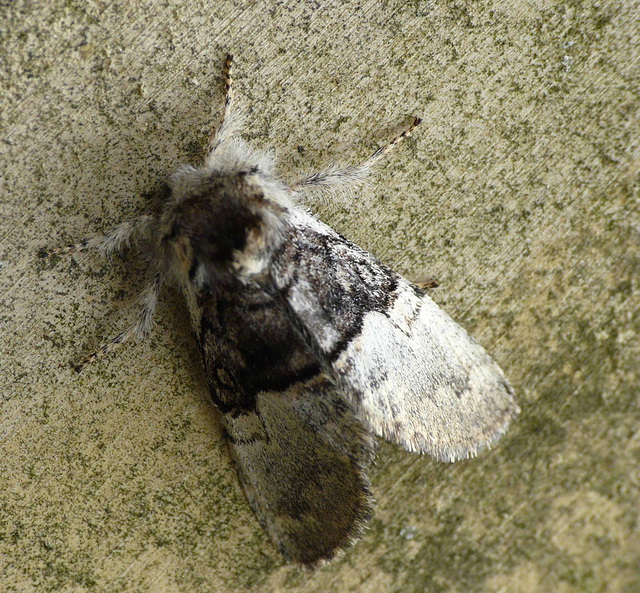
(209, 221)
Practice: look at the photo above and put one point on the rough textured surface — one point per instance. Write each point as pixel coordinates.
(519, 193)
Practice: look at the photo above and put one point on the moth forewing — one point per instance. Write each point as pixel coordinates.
(413, 375)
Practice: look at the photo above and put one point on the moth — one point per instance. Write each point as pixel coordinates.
(311, 346)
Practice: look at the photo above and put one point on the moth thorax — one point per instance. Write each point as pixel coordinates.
(212, 222)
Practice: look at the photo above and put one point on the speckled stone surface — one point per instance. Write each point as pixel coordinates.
(519, 194)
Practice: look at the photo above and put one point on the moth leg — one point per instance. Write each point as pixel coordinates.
(335, 178)
(115, 241)
(139, 329)
(227, 123)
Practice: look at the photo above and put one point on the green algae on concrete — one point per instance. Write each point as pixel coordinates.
(519, 193)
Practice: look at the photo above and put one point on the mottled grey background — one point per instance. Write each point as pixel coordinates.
(519, 194)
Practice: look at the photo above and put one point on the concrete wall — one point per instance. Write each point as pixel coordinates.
(519, 194)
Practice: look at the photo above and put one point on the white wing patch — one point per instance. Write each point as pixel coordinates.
(422, 381)
(414, 376)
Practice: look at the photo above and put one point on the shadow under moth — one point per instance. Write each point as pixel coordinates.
(310, 345)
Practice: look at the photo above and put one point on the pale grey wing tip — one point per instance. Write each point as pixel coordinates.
(465, 445)
(452, 454)
(501, 409)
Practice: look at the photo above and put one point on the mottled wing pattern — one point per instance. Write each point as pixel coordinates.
(301, 457)
(414, 376)
(300, 452)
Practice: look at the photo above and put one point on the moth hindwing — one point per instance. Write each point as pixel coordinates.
(310, 345)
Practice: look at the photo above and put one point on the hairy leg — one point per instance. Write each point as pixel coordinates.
(336, 179)
(116, 240)
(227, 124)
(139, 329)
